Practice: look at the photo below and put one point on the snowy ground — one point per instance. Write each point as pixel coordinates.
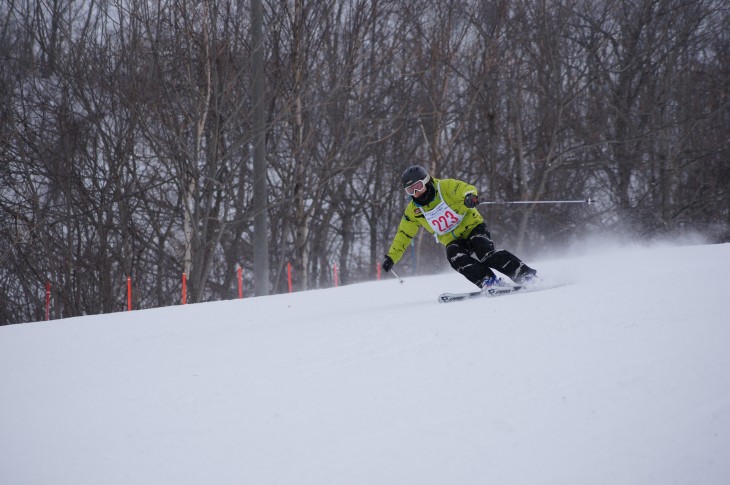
(622, 377)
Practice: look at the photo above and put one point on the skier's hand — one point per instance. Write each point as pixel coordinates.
(471, 200)
(387, 264)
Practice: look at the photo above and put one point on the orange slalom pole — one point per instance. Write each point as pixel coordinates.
(288, 276)
(129, 293)
(240, 282)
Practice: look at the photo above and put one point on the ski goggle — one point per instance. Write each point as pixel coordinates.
(417, 186)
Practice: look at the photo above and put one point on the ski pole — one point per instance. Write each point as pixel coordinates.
(396, 275)
(506, 202)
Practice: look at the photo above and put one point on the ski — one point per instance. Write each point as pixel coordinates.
(491, 292)
(499, 291)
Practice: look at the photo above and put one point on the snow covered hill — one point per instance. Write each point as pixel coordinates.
(622, 377)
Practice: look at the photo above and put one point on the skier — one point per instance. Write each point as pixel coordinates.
(447, 209)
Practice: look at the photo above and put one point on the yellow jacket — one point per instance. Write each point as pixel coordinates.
(453, 192)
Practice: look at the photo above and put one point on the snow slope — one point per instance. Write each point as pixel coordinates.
(622, 377)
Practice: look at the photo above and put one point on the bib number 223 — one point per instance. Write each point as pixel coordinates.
(445, 222)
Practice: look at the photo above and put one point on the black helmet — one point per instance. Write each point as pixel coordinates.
(413, 174)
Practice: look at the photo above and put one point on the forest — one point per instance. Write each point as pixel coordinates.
(127, 136)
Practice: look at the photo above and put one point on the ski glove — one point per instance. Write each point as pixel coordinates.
(387, 264)
(471, 200)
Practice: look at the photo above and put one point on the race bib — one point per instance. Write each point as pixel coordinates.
(442, 218)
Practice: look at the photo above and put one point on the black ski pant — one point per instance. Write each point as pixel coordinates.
(475, 257)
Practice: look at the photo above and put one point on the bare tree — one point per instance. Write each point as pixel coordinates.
(127, 137)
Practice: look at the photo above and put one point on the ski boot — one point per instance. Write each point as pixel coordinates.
(526, 276)
(489, 282)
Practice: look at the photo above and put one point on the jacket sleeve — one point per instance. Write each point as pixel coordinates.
(454, 192)
(407, 230)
